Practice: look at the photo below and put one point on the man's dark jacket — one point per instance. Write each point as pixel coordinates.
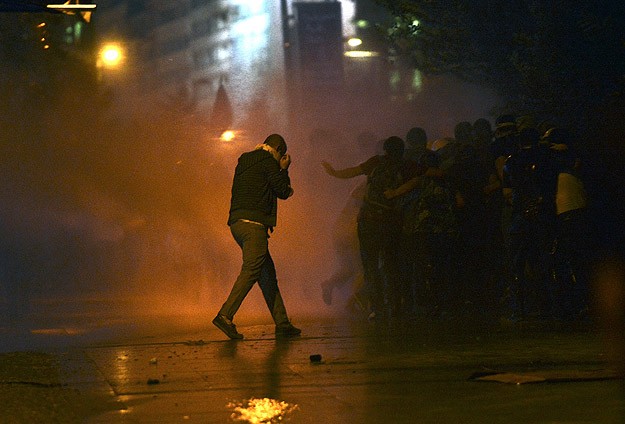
(258, 184)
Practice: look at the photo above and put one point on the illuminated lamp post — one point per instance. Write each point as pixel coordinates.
(111, 56)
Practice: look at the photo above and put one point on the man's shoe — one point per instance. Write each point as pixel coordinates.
(287, 330)
(225, 325)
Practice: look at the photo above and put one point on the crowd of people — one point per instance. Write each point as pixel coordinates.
(489, 222)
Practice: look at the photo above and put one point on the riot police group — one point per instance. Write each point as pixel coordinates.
(489, 223)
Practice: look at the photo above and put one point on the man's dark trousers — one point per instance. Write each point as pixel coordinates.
(257, 267)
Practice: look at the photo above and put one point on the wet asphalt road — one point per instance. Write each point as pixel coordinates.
(172, 369)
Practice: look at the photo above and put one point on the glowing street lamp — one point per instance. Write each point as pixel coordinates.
(354, 49)
(354, 42)
(228, 135)
(111, 56)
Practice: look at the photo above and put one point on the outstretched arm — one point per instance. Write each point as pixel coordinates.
(343, 173)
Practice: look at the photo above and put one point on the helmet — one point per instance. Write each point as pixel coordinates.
(505, 125)
(556, 136)
(505, 120)
(440, 143)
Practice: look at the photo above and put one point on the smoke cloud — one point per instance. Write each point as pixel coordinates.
(127, 214)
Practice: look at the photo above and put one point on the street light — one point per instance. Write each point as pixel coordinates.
(354, 49)
(111, 56)
(228, 135)
(354, 42)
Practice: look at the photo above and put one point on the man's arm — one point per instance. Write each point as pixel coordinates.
(346, 173)
(278, 177)
(413, 183)
(285, 162)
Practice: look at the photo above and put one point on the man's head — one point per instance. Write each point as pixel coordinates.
(394, 147)
(276, 141)
(482, 129)
(462, 132)
(416, 138)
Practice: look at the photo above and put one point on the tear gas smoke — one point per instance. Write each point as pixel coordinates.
(130, 213)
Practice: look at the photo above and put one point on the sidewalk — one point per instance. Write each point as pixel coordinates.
(163, 370)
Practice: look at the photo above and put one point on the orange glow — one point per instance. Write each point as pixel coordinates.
(228, 135)
(111, 56)
(264, 410)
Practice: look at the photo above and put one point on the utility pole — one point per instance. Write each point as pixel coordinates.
(289, 69)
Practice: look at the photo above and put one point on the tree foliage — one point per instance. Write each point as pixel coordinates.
(554, 58)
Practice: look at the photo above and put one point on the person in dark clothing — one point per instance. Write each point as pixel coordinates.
(574, 242)
(505, 141)
(477, 255)
(260, 179)
(463, 133)
(379, 224)
(482, 133)
(416, 143)
(482, 140)
(431, 224)
(529, 186)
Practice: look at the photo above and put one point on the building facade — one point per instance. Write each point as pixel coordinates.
(276, 60)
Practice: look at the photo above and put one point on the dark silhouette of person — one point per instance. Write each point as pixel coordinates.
(379, 224)
(431, 224)
(574, 238)
(261, 178)
(416, 143)
(529, 186)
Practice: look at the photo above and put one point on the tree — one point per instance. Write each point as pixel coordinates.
(552, 58)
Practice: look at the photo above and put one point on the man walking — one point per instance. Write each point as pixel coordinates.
(260, 179)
